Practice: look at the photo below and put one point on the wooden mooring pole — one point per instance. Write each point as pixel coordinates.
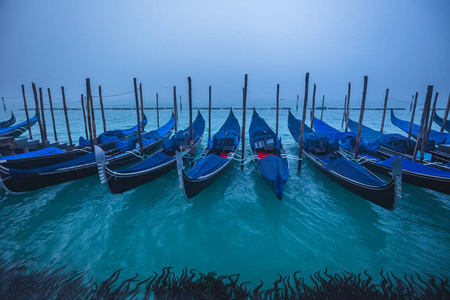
(422, 121)
(345, 111)
(38, 114)
(313, 106)
(361, 115)
(44, 127)
(142, 103)
(181, 104)
(296, 106)
(244, 112)
(446, 113)
(430, 123)
(412, 100)
(278, 107)
(84, 117)
(141, 150)
(384, 110)
(412, 116)
(101, 107)
(191, 131)
(157, 111)
(175, 107)
(300, 141)
(209, 115)
(4, 106)
(323, 106)
(348, 106)
(94, 128)
(66, 116)
(88, 110)
(26, 111)
(51, 111)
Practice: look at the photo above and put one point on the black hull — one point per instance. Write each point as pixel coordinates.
(30, 183)
(119, 183)
(384, 196)
(194, 186)
(8, 123)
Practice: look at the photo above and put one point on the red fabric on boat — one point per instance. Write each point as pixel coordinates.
(261, 155)
(224, 155)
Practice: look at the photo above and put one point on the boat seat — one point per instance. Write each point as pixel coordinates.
(266, 144)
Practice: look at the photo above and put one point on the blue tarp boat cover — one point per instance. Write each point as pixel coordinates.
(5, 131)
(438, 137)
(206, 165)
(273, 168)
(154, 160)
(181, 137)
(415, 167)
(354, 171)
(40, 152)
(227, 136)
(438, 120)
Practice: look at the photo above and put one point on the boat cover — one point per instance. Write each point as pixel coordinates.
(273, 168)
(181, 137)
(438, 137)
(354, 171)
(5, 131)
(206, 165)
(227, 136)
(9, 122)
(438, 120)
(154, 160)
(409, 165)
(40, 152)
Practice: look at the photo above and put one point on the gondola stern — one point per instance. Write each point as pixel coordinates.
(101, 164)
(397, 177)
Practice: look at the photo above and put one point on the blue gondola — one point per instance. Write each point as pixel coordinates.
(18, 129)
(268, 154)
(9, 122)
(438, 120)
(217, 156)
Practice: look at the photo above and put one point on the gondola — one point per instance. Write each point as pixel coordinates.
(9, 122)
(438, 120)
(268, 154)
(438, 137)
(125, 152)
(412, 172)
(18, 129)
(53, 155)
(216, 157)
(158, 164)
(322, 152)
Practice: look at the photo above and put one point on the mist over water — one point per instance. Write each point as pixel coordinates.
(235, 226)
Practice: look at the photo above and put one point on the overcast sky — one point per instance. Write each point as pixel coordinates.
(402, 45)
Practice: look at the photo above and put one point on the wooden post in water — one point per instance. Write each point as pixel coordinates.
(244, 113)
(425, 132)
(345, 110)
(191, 131)
(313, 106)
(66, 116)
(348, 106)
(412, 116)
(101, 107)
(84, 117)
(296, 106)
(94, 128)
(181, 104)
(4, 106)
(138, 118)
(361, 115)
(422, 121)
(300, 141)
(88, 110)
(36, 102)
(412, 100)
(209, 115)
(44, 127)
(446, 113)
(26, 111)
(142, 102)
(157, 110)
(278, 107)
(384, 110)
(323, 106)
(51, 110)
(433, 111)
(175, 107)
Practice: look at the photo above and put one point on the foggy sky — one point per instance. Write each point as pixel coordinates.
(401, 45)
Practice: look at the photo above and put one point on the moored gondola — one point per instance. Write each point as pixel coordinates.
(268, 154)
(9, 122)
(438, 120)
(380, 162)
(18, 129)
(156, 165)
(125, 152)
(217, 156)
(321, 152)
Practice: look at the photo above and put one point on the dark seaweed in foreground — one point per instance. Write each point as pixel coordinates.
(17, 281)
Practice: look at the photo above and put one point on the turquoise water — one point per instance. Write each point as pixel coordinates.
(235, 226)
